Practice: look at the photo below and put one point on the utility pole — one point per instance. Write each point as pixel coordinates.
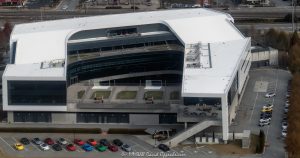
(293, 15)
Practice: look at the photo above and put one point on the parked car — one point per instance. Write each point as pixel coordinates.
(37, 141)
(87, 147)
(126, 148)
(287, 105)
(92, 142)
(266, 110)
(101, 148)
(118, 142)
(163, 147)
(49, 141)
(284, 133)
(265, 115)
(25, 141)
(268, 106)
(265, 120)
(113, 148)
(284, 125)
(286, 109)
(104, 142)
(78, 142)
(270, 95)
(56, 147)
(71, 147)
(264, 123)
(62, 141)
(44, 146)
(19, 146)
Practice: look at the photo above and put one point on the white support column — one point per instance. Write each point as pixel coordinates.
(225, 124)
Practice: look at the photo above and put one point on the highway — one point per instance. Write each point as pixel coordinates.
(72, 12)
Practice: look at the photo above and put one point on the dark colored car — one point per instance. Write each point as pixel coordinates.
(56, 147)
(104, 142)
(78, 142)
(118, 142)
(49, 141)
(113, 148)
(163, 147)
(92, 142)
(25, 141)
(37, 141)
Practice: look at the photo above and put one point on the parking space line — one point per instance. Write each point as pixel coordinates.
(139, 145)
(7, 144)
(184, 148)
(276, 84)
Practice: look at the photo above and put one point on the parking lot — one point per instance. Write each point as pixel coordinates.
(139, 147)
(263, 81)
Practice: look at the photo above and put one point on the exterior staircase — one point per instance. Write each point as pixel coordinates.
(185, 134)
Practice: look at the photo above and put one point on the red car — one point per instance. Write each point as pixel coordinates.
(78, 142)
(92, 142)
(49, 141)
(71, 147)
(113, 148)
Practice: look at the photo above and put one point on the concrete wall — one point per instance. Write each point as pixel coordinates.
(63, 118)
(143, 119)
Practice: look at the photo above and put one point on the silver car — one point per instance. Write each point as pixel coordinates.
(126, 148)
(37, 141)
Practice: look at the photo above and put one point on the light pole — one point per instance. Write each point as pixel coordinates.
(293, 15)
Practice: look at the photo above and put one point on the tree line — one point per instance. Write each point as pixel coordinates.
(293, 132)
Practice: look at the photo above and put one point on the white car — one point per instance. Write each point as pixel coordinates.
(284, 125)
(263, 123)
(265, 120)
(287, 101)
(44, 146)
(62, 141)
(270, 95)
(268, 106)
(284, 133)
(287, 104)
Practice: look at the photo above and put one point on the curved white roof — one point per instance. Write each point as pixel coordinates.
(41, 41)
(44, 41)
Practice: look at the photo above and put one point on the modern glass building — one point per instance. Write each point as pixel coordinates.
(176, 68)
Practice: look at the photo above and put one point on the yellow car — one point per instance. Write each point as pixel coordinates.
(266, 109)
(19, 146)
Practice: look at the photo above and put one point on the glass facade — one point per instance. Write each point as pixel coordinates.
(32, 117)
(85, 117)
(233, 90)
(167, 118)
(36, 92)
(201, 101)
(120, 64)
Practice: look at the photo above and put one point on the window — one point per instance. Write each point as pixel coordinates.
(102, 117)
(121, 32)
(36, 92)
(14, 48)
(32, 117)
(167, 118)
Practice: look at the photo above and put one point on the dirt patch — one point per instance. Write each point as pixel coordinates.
(235, 147)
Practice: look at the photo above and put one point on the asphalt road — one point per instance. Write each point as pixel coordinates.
(242, 13)
(67, 5)
(248, 114)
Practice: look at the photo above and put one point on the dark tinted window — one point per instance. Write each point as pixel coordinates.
(36, 92)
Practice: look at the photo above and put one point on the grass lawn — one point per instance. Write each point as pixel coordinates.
(104, 94)
(175, 95)
(80, 94)
(127, 95)
(157, 95)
